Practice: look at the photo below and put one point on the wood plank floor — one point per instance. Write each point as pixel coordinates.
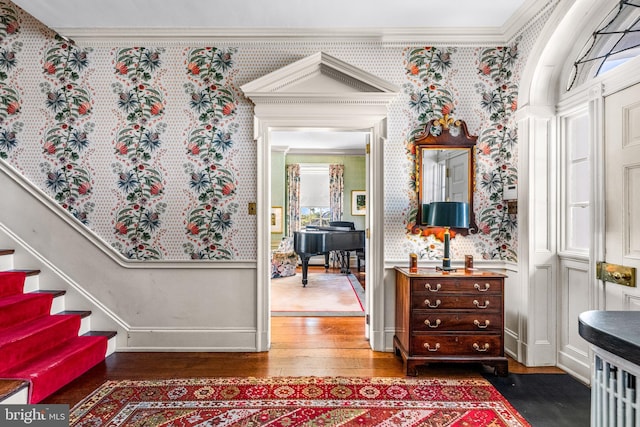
(301, 346)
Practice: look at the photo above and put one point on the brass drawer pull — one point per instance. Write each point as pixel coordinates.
(428, 303)
(477, 323)
(428, 287)
(428, 347)
(485, 347)
(428, 323)
(477, 303)
(486, 287)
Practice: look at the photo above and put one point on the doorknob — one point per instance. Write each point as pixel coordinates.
(618, 274)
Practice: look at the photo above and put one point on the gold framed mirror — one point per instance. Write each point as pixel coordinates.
(445, 167)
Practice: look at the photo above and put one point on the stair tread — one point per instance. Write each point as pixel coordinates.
(54, 292)
(7, 251)
(108, 334)
(81, 313)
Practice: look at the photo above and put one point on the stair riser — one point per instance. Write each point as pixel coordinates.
(20, 397)
(6, 262)
(58, 305)
(31, 283)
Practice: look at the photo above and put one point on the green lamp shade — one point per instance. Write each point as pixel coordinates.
(446, 214)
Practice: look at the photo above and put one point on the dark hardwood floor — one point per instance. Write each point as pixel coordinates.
(300, 346)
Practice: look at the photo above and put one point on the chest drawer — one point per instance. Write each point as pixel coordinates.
(477, 286)
(487, 302)
(445, 322)
(449, 344)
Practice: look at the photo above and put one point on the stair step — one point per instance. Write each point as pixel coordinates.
(85, 322)
(28, 340)
(61, 365)
(17, 309)
(7, 252)
(57, 304)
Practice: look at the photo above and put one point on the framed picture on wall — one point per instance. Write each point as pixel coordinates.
(358, 202)
(276, 219)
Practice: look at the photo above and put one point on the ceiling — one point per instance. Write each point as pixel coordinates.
(473, 21)
(61, 14)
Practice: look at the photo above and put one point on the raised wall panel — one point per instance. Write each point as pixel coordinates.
(541, 188)
(573, 350)
(542, 299)
(631, 125)
(632, 210)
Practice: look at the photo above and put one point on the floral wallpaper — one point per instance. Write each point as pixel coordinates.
(68, 99)
(138, 167)
(212, 184)
(152, 149)
(10, 96)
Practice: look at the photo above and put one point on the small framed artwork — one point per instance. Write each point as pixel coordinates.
(358, 202)
(276, 219)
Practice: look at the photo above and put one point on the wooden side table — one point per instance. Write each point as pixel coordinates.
(450, 317)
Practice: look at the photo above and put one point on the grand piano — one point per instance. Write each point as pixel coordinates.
(322, 240)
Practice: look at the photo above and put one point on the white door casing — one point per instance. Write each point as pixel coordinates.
(622, 190)
(321, 92)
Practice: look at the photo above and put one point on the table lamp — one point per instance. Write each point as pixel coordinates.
(447, 215)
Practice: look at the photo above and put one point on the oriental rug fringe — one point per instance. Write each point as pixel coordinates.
(296, 401)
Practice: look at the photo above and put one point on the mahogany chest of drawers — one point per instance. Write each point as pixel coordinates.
(449, 317)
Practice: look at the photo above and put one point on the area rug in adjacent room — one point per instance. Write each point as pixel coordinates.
(326, 294)
(296, 401)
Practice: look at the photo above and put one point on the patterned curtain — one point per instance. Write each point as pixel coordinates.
(293, 199)
(336, 191)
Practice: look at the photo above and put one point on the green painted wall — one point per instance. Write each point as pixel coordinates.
(278, 177)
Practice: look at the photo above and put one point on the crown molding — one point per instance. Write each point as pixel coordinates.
(166, 37)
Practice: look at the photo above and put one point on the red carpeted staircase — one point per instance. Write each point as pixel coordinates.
(42, 348)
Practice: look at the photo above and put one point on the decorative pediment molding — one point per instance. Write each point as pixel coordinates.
(320, 78)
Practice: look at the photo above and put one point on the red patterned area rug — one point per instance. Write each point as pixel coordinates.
(296, 401)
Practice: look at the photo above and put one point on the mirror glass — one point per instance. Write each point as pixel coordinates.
(445, 175)
(445, 166)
